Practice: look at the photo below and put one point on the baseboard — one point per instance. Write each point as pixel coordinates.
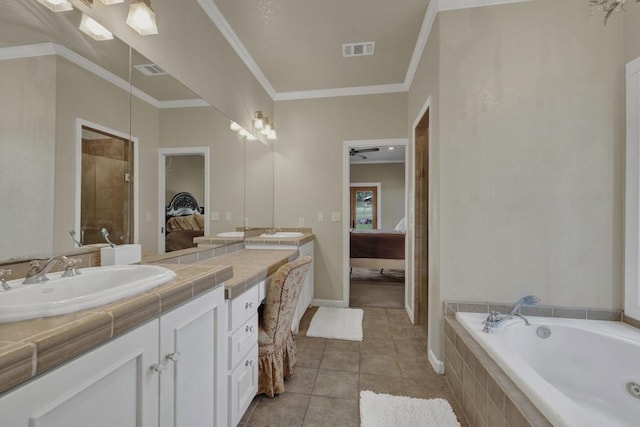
(409, 311)
(436, 364)
(328, 303)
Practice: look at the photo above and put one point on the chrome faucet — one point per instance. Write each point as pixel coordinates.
(495, 318)
(39, 269)
(4, 286)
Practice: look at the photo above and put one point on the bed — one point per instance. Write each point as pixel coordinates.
(377, 249)
(184, 222)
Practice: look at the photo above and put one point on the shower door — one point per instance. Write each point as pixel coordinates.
(107, 188)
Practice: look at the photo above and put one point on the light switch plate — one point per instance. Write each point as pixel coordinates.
(215, 216)
(301, 222)
(335, 216)
(227, 216)
(320, 216)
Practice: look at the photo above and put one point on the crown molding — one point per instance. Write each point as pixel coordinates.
(46, 49)
(345, 91)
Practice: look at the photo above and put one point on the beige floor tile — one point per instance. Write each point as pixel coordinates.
(302, 380)
(379, 364)
(427, 388)
(284, 410)
(311, 342)
(337, 360)
(398, 317)
(378, 346)
(338, 384)
(342, 345)
(416, 369)
(411, 349)
(381, 331)
(331, 412)
(382, 384)
(308, 357)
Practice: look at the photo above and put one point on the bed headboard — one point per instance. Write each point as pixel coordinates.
(183, 204)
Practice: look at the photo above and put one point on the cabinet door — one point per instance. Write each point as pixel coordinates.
(192, 345)
(110, 386)
(243, 385)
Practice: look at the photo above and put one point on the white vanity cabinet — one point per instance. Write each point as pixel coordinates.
(242, 354)
(168, 372)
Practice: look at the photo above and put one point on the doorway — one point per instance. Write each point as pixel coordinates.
(387, 216)
(421, 218)
(182, 170)
(106, 185)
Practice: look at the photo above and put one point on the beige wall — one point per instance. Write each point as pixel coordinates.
(530, 156)
(27, 138)
(258, 187)
(391, 179)
(308, 167)
(631, 20)
(207, 127)
(185, 173)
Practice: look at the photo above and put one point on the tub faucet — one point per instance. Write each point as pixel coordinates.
(39, 269)
(495, 318)
(4, 286)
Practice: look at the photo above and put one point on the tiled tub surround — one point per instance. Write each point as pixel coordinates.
(32, 347)
(487, 394)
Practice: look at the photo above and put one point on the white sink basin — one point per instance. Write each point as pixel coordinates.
(283, 234)
(93, 287)
(231, 234)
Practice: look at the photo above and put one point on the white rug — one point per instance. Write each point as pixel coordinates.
(384, 410)
(337, 323)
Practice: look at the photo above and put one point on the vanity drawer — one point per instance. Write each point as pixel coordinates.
(243, 307)
(243, 385)
(242, 340)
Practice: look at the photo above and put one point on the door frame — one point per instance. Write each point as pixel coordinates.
(78, 166)
(163, 153)
(378, 187)
(346, 195)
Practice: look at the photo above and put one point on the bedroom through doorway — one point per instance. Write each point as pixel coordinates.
(375, 205)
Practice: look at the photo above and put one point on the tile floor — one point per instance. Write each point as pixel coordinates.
(330, 374)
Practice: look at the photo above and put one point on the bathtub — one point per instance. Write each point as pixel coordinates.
(577, 376)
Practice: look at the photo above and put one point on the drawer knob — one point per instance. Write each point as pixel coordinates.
(174, 357)
(159, 367)
(248, 305)
(248, 329)
(248, 363)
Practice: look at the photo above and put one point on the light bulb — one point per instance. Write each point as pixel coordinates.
(93, 29)
(56, 5)
(234, 126)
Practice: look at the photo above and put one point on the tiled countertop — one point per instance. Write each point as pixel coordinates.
(283, 241)
(31, 347)
(250, 267)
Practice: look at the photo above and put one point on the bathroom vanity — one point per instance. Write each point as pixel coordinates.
(183, 354)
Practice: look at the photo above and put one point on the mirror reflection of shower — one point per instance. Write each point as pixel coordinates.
(107, 187)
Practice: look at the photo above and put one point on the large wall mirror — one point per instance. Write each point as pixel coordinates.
(59, 89)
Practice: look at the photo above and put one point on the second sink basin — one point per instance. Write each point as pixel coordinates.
(283, 234)
(93, 287)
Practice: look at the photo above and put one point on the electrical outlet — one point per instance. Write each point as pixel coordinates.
(227, 216)
(215, 216)
(320, 216)
(335, 216)
(301, 222)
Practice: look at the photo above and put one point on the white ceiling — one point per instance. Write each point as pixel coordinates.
(297, 44)
(385, 155)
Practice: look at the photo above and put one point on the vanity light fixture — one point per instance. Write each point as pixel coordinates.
(234, 126)
(251, 137)
(56, 5)
(391, 148)
(258, 121)
(272, 135)
(109, 2)
(243, 133)
(142, 18)
(94, 30)
(266, 128)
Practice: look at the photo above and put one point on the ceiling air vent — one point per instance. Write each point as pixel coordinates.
(150, 70)
(358, 49)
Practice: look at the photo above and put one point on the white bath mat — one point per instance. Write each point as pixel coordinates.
(384, 410)
(337, 323)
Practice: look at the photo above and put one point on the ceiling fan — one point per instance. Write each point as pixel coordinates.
(354, 152)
